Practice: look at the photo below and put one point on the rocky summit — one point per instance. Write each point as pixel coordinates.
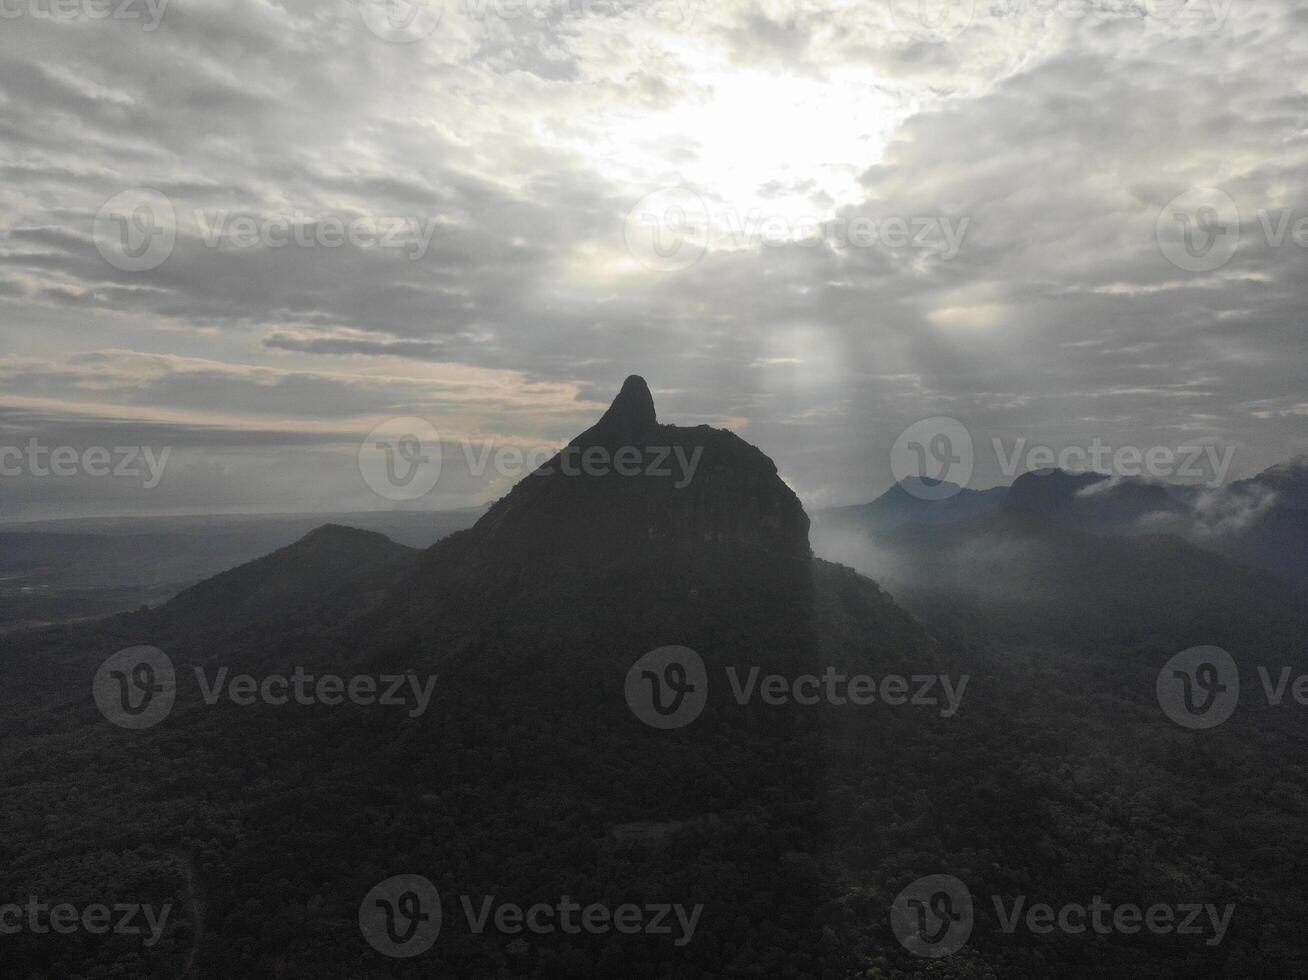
(629, 481)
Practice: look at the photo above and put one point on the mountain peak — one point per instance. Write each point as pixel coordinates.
(1047, 491)
(629, 419)
(332, 573)
(1288, 480)
(628, 484)
(634, 401)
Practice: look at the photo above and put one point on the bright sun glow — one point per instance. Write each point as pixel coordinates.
(785, 144)
(754, 142)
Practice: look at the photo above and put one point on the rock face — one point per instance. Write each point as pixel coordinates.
(629, 421)
(629, 482)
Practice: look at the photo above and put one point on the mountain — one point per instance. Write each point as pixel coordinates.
(323, 580)
(1061, 557)
(905, 503)
(1041, 580)
(788, 815)
(512, 785)
(1048, 492)
(700, 512)
(1261, 522)
(1288, 481)
(689, 485)
(1091, 501)
(57, 571)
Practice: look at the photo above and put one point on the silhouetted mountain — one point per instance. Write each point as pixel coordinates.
(1264, 520)
(1047, 492)
(1261, 521)
(531, 620)
(1069, 556)
(1091, 501)
(915, 501)
(1043, 580)
(56, 571)
(793, 825)
(1289, 481)
(328, 577)
(682, 486)
(1276, 541)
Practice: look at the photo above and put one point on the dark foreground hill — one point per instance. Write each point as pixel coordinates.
(528, 761)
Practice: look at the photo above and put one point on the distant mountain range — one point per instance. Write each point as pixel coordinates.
(1262, 521)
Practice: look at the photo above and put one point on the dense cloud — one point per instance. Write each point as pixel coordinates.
(958, 218)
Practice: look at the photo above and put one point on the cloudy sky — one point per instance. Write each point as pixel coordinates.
(250, 231)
